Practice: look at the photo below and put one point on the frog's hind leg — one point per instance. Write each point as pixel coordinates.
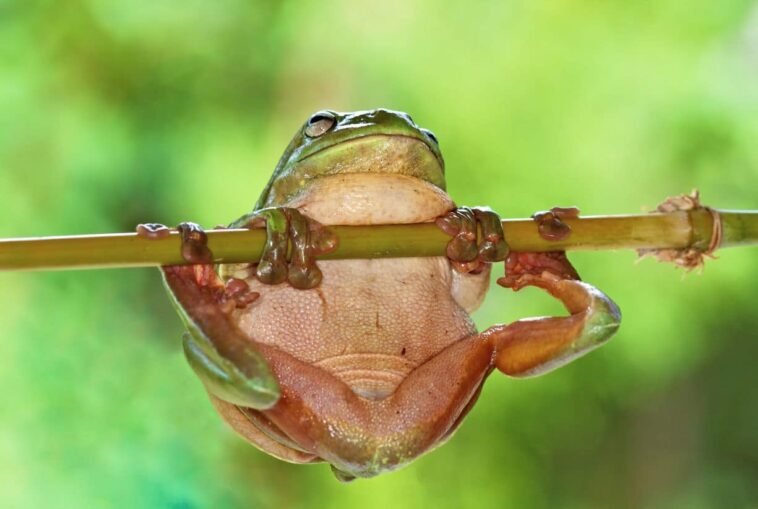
(536, 345)
(243, 422)
(361, 437)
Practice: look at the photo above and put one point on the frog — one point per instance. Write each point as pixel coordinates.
(366, 364)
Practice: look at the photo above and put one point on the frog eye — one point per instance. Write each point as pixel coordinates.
(431, 136)
(319, 123)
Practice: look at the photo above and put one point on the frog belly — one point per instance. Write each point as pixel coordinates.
(370, 322)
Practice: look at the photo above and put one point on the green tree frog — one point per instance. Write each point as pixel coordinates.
(367, 364)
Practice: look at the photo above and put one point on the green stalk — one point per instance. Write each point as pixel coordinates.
(677, 230)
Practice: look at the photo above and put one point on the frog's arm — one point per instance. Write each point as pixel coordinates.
(536, 345)
(222, 356)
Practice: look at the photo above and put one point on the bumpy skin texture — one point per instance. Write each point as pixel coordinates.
(380, 362)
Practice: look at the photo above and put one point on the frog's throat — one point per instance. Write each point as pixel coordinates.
(376, 153)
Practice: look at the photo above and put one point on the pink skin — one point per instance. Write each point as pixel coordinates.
(319, 417)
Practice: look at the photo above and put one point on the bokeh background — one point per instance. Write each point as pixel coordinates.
(115, 112)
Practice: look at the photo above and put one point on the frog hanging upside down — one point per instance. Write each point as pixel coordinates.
(367, 364)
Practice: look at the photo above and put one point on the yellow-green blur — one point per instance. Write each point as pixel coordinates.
(116, 112)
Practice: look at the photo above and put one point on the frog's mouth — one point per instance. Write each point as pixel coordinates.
(375, 153)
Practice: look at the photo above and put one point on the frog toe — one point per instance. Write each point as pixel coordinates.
(550, 223)
(341, 475)
(272, 267)
(461, 224)
(478, 237)
(492, 247)
(194, 243)
(303, 272)
(292, 243)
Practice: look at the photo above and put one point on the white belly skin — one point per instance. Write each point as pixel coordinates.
(369, 322)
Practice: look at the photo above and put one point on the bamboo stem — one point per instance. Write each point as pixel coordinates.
(680, 229)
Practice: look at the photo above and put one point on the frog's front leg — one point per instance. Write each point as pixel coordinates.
(536, 345)
(289, 233)
(220, 354)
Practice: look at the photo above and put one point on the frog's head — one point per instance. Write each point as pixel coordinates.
(376, 141)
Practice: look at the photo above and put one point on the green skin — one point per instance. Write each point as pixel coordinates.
(250, 376)
(330, 151)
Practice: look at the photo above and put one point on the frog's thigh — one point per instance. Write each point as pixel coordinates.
(362, 436)
(533, 346)
(250, 432)
(437, 393)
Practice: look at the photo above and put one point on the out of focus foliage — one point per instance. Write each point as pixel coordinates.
(114, 112)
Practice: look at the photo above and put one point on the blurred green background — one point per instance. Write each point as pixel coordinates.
(115, 112)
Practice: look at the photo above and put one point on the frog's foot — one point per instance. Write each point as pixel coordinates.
(194, 243)
(224, 358)
(342, 476)
(536, 345)
(153, 231)
(478, 238)
(550, 222)
(194, 248)
(519, 264)
(235, 293)
(288, 230)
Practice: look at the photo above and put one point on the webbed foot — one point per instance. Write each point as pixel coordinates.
(194, 243)
(550, 222)
(478, 238)
(519, 264)
(292, 244)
